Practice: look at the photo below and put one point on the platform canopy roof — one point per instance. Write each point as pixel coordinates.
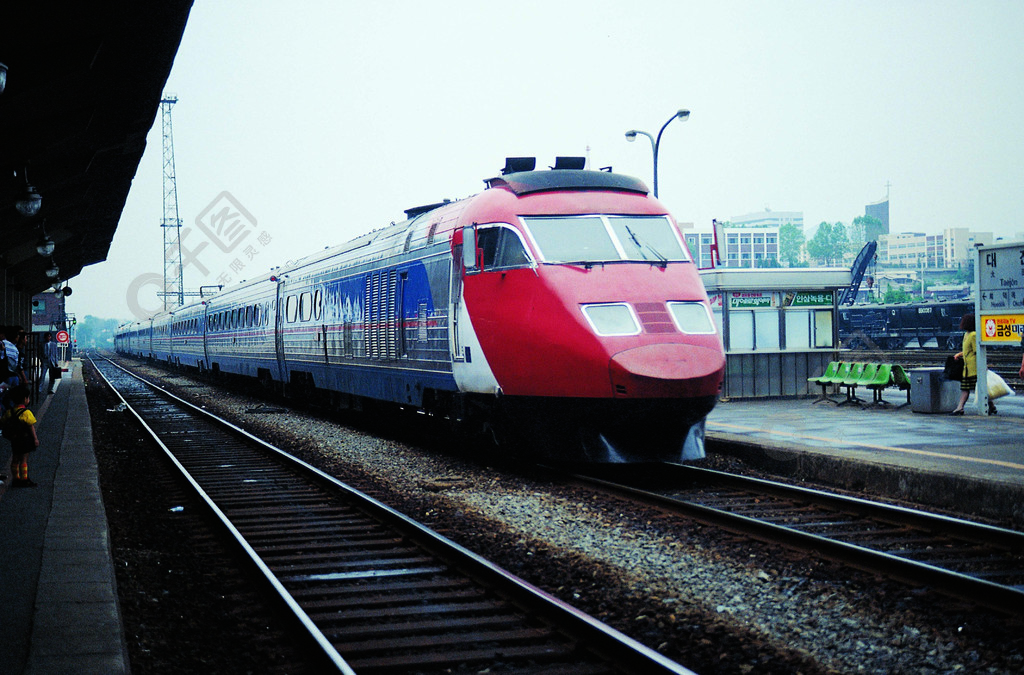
(84, 82)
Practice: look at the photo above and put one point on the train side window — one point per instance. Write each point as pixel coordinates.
(511, 251)
(248, 316)
(318, 304)
(256, 318)
(305, 306)
(291, 309)
(501, 248)
(487, 246)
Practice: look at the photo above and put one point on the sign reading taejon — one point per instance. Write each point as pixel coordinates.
(1000, 301)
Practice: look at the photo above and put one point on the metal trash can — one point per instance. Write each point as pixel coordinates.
(931, 392)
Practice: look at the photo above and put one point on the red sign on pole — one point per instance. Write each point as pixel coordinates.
(63, 337)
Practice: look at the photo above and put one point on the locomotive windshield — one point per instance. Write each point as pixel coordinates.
(594, 239)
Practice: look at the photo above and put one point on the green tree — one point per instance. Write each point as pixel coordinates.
(791, 241)
(896, 294)
(829, 243)
(95, 333)
(865, 229)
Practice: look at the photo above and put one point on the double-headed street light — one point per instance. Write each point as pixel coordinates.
(656, 142)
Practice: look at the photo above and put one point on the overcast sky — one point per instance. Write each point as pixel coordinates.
(324, 120)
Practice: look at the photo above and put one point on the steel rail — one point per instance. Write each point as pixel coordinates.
(664, 486)
(611, 648)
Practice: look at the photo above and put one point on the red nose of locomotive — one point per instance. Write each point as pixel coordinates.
(667, 371)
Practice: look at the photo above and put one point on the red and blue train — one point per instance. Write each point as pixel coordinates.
(559, 309)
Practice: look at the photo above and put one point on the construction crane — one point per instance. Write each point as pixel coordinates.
(865, 258)
(174, 290)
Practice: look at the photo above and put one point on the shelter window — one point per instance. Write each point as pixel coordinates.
(798, 329)
(753, 330)
(807, 329)
(823, 328)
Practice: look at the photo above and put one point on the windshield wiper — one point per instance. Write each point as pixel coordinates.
(662, 260)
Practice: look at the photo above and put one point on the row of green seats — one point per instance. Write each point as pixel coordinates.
(874, 376)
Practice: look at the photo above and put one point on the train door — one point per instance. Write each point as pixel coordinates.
(400, 297)
(206, 322)
(279, 332)
(455, 300)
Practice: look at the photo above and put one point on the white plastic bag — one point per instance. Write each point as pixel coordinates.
(997, 387)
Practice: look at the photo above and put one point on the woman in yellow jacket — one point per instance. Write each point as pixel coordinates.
(969, 355)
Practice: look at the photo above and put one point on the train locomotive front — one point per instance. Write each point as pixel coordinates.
(583, 325)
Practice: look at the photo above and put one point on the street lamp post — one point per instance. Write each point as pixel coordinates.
(656, 142)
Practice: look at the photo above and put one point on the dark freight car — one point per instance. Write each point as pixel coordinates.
(926, 325)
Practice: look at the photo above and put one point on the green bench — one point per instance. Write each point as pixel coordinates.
(834, 370)
(875, 376)
(889, 375)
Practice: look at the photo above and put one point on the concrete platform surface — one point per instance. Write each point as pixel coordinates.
(58, 597)
(971, 463)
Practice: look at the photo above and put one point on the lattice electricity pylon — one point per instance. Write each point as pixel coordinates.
(174, 290)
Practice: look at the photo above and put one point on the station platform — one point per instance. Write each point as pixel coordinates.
(969, 464)
(58, 598)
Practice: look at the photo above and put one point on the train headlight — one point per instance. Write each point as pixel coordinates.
(692, 317)
(612, 319)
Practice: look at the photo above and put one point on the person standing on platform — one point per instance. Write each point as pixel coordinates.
(969, 355)
(22, 344)
(19, 427)
(51, 350)
(8, 372)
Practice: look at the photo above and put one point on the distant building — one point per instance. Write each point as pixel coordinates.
(880, 212)
(749, 246)
(959, 243)
(700, 244)
(769, 218)
(912, 249)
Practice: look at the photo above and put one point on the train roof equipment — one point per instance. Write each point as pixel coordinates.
(567, 174)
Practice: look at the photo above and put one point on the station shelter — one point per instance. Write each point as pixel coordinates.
(778, 327)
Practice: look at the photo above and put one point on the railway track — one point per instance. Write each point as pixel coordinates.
(372, 590)
(972, 561)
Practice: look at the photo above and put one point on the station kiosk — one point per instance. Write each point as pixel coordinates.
(778, 326)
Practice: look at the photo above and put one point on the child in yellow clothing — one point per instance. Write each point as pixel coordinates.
(19, 427)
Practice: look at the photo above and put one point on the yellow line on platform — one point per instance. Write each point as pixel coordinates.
(891, 448)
